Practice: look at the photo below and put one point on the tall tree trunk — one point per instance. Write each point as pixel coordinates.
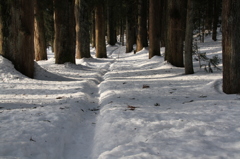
(189, 38)
(100, 31)
(111, 23)
(163, 28)
(130, 27)
(82, 29)
(209, 16)
(93, 35)
(216, 8)
(122, 33)
(231, 47)
(154, 31)
(39, 32)
(176, 32)
(142, 40)
(17, 22)
(65, 33)
(203, 30)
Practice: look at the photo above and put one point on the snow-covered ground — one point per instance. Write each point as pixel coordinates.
(122, 107)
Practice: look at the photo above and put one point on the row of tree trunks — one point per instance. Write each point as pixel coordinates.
(82, 29)
(65, 34)
(17, 34)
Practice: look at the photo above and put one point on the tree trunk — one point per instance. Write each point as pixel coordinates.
(82, 29)
(154, 31)
(189, 38)
(163, 28)
(216, 4)
(39, 32)
(65, 33)
(122, 33)
(176, 32)
(17, 22)
(111, 23)
(231, 47)
(93, 36)
(142, 40)
(100, 31)
(209, 16)
(130, 27)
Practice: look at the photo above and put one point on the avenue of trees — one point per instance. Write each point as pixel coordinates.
(28, 27)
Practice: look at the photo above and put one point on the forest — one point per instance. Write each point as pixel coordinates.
(111, 79)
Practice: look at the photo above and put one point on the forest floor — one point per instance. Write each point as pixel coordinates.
(122, 107)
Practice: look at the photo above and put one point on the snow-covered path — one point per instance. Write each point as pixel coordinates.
(122, 107)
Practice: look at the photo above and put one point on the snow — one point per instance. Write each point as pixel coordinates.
(122, 107)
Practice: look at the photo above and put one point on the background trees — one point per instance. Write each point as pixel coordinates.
(165, 17)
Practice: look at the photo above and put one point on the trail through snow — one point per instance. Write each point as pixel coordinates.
(122, 107)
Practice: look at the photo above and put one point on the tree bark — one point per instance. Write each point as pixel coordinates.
(142, 40)
(111, 23)
(17, 22)
(65, 33)
(39, 32)
(216, 4)
(209, 16)
(163, 28)
(231, 47)
(93, 36)
(189, 38)
(100, 31)
(82, 29)
(176, 32)
(154, 31)
(130, 27)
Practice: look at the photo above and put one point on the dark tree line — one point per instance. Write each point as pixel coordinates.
(28, 27)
